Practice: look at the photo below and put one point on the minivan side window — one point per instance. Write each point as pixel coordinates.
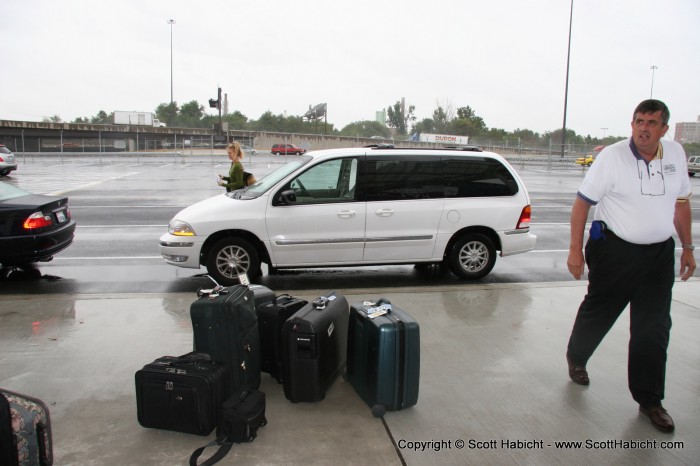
(327, 182)
(403, 178)
(478, 177)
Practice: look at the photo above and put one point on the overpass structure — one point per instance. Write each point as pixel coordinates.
(30, 136)
(34, 137)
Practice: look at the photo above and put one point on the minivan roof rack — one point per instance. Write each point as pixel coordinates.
(455, 148)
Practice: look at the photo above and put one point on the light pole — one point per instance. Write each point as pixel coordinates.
(171, 22)
(653, 67)
(566, 89)
(604, 130)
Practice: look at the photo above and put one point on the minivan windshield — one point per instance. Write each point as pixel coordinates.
(262, 185)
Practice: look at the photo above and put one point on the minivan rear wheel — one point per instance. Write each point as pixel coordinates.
(473, 256)
(230, 257)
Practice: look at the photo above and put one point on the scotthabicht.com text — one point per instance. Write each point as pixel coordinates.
(436, 445)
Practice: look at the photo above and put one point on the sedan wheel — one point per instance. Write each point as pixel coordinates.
(230, 257)
(473, 256)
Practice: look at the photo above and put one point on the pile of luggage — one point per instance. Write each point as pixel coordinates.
(242, 331)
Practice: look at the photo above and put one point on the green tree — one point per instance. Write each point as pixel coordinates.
(236, 120)
(426, 125)
(526, 137)
(365, 129)
(691, 148)
(399, 118)
(441, 121)
(268, 122)
(103, 118)
(190, 114)
(167, 112)
(53, 119)
(468, 123)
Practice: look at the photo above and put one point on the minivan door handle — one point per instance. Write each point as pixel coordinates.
(384, 212)
(347, 213)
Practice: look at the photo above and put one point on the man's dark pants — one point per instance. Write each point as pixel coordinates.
(642, 276)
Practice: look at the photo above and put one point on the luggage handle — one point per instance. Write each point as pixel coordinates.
(285, 295)
(212, 293)
(193, 357)
(321, 302)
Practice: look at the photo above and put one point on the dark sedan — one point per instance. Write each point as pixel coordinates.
(33, 227)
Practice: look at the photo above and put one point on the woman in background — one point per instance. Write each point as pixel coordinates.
(234, 180)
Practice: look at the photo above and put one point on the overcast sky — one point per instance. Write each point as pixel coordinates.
(506, 59)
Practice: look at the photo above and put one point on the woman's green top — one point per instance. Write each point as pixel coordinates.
(234, 180)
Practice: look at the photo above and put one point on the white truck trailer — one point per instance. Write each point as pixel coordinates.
(137, 119)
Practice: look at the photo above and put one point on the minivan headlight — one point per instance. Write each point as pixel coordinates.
(180, 228)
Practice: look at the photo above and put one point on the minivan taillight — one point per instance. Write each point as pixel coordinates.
(524, 220)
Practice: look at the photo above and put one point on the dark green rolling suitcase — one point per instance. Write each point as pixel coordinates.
(383, 358)
(225, 326)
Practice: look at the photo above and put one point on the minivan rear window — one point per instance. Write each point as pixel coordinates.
(478, 178)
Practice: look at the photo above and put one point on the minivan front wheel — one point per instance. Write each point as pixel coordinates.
(230, 257)
(472, 256)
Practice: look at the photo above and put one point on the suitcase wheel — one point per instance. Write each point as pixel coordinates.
(378, 410)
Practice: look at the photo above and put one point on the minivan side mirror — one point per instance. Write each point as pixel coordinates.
(287, 197)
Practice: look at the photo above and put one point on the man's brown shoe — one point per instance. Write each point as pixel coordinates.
(659, 417)
(577, 373)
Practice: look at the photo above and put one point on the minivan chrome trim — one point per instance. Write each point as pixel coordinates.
(399, 238)
(517, 232)
(293, 242)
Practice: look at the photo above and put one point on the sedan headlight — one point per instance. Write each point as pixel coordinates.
(180, 228)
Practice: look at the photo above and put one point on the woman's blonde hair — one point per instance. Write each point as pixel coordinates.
(236, 147)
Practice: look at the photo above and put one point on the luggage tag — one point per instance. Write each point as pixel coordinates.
(374, 312)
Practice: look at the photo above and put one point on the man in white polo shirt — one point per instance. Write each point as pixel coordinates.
(640, 190)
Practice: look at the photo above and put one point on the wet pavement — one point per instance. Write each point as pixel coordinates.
(494, 386)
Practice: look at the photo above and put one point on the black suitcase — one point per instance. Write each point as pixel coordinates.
(314, 344)
(262, 295)
(271, 318)
(182, 393)
(25, 430)
(225, 326)
(383, 363)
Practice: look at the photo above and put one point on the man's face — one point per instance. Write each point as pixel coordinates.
(647, 130)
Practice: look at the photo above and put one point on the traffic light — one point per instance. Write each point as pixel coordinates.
(216, 103)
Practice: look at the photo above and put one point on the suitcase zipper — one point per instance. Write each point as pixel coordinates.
(402, 358)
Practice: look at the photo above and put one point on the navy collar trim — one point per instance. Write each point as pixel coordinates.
(634, 150)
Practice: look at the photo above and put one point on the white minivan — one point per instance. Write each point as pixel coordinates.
(360, 206)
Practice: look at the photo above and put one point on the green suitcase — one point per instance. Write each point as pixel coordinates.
(383, 358)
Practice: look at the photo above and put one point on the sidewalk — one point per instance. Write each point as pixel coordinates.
(494, 385)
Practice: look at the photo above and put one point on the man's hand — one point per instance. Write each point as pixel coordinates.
(576, 263)
(687, 264)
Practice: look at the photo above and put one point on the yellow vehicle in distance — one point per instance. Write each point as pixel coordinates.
(587, 160)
